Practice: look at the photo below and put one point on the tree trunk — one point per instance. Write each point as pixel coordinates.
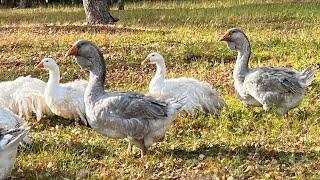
(109, 2)
(121, 4)
(97, 12)
(75, 2)
(25, 3)
(9, 3)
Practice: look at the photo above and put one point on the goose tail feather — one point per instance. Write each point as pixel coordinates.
(308, 75)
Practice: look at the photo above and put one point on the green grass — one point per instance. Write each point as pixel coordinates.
(243, 143)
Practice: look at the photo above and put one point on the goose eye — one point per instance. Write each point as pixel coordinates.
(47, 61)
(152, 54)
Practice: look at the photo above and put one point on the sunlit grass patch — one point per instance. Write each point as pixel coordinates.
(243, 142)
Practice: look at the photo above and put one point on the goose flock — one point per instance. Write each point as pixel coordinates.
(142, 119)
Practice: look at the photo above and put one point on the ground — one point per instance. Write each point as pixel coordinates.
(242, 143)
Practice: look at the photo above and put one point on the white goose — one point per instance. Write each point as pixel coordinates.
(281, 88)
(9, 142)
(65, 100)
(199, 94)
(23, 96)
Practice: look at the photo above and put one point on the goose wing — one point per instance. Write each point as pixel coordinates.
(12, 137)
(129, 114)
(69, 102)
(128, 105)
(277, 80)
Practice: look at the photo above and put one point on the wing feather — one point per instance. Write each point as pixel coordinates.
(135, 105)
(282, 81)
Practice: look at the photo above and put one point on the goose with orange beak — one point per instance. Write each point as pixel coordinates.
(142, 120)
(65, 100)
(199, 95)
(269, 87)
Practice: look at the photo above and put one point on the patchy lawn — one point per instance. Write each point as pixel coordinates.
(242, 143)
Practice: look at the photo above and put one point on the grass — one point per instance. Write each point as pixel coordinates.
(243, 143)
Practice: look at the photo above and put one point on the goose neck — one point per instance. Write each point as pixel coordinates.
(53, 82)
(161, 70)
(96, 83)
(241, 67)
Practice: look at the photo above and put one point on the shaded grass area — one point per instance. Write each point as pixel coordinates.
(212, 14)
(242, 143)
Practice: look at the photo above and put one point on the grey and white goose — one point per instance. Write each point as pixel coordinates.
(269, 87)
(139, 118)
(9, 142)
(10, 120)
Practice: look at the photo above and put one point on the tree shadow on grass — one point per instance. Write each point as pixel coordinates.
(71, 28)
(247, 152)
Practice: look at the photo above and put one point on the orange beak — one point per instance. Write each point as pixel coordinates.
(225, 37)
(39, 66)
(145, 61)
(73, 51)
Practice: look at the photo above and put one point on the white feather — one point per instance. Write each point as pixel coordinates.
(24, 96)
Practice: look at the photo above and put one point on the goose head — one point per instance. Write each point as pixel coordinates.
(47, 63)
(153, 58)
(235, 38)
(87, 54)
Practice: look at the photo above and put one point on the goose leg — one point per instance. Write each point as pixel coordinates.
(162, 138)
(129, 149)
(143, 148)
(266, 107)
(143, 152)
(283, 111)
(287, 114)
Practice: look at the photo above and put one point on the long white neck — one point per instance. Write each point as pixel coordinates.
(241, 68)
(158, 78)
(53, 83)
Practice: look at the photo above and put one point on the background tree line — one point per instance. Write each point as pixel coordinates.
(97, 11)
(32, 3)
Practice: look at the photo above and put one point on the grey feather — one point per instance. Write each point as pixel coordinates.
(308, 75)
